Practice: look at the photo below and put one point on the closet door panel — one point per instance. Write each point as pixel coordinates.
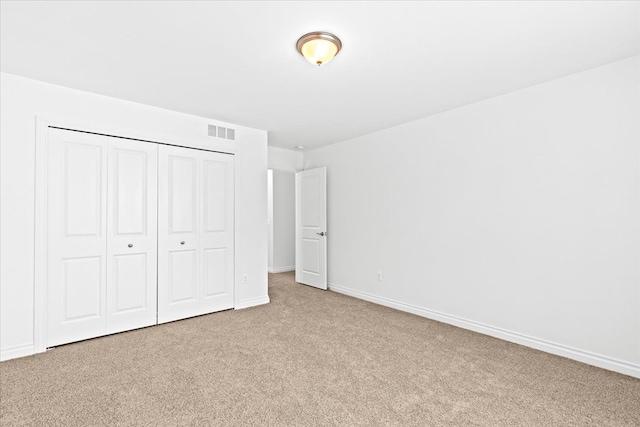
(132, 240)
(131, 283)
(215, 272)
(77, 237)
(182, 277)
(217, 231)
(82, 288)
(182, 193)
(215, 195)
(178, 247)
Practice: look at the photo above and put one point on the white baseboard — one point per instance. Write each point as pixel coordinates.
(252, 302)
(583, 356)
(18, 351)
(282, 269)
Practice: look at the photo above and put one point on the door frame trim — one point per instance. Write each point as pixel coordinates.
(42, 125)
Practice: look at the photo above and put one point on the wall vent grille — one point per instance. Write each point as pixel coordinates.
(221, 132)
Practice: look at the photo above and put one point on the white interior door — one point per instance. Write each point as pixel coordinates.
(311, 227)
(132, 235)
(77, 236)
(195, 226)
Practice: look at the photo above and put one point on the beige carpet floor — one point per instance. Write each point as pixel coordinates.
(310, 358)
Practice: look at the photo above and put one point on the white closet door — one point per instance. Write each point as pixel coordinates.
(217, 235)
(77, 236)
(132, 235)
(177, 233)
(102, 235)
(195, 233)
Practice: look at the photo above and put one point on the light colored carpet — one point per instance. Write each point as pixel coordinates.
(310, 358)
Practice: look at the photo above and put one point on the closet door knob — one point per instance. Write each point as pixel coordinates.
(130, 245)
(182, 243)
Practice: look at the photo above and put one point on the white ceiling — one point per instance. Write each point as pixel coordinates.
(236, 61)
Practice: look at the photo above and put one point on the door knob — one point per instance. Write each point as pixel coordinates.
(322, 233)
(182, 243)
(130, 245)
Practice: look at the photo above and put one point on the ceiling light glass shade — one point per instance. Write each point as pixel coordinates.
(319, 47)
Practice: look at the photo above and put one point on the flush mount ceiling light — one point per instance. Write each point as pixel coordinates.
(319, 47)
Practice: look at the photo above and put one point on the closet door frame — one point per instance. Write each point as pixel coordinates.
(42, 125)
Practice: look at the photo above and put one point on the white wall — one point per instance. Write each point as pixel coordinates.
(284, 222)
(285, 160)
(22, 99)
(517, 216)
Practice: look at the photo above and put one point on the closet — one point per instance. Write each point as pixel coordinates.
(138, 233)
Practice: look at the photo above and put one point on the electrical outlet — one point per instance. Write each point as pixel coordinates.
(245, 279)
(379, 276)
